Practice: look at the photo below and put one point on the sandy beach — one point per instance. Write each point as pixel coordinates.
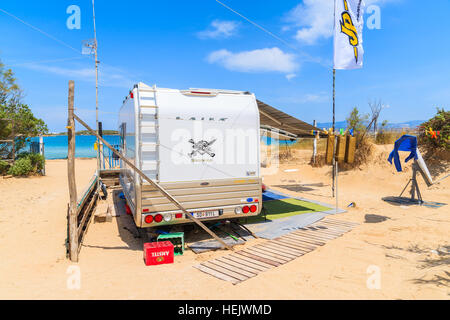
(406, 248)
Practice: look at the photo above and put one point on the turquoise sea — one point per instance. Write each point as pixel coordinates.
(56, 146)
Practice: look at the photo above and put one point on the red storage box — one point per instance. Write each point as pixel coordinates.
(158, 253)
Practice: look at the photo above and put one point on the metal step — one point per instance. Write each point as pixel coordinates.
(149, 147)
(146, 117)
(148, 129)
(149, 165)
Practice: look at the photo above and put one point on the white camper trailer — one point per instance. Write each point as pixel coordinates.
(200, 145)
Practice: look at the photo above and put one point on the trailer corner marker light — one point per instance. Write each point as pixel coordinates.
(168, 217)
(158, 218)
(145, 210)
(131, 95)
(245, 209)
(178, 216)
(253, 208)
(148, 219)
(200, 92)
(238, 210)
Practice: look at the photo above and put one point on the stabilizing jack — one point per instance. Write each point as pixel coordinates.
(414, 185)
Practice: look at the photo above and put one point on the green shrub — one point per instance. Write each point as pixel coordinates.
(436, 147)
(22, 155)
(21, 167)
(37, 161)
(4, 167)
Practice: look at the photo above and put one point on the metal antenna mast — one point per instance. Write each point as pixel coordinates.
(96, 84)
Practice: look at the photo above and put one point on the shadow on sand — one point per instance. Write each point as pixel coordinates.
(307, 188)
(135, 237)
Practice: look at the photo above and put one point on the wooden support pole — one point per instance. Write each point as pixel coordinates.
(315, 144)
(73, 219)
(154, 184)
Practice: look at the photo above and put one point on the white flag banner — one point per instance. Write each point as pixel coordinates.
(348, 29)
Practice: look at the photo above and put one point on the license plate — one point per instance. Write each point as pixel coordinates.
(206, 214)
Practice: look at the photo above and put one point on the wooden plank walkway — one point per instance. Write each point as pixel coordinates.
(249, 262)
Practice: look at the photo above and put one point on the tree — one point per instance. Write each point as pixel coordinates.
(375, 107)
(356, 121)
(26, 125)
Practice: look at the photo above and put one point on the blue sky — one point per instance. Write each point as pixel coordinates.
(201, 44)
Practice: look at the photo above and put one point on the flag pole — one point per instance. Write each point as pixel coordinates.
(334, 109)
(96, 88)
(335, 137)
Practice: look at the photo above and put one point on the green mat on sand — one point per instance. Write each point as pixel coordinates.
(277, 209)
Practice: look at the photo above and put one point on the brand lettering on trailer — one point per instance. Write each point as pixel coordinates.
(202, 119)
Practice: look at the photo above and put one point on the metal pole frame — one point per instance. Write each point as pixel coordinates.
(99, 147)
(414, 186)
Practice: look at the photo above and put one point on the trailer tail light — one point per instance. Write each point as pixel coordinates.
(199, 93)
(148, 219)
(178, 216)
(167, 217)
(158, 218)
(253, 208)
(245, 209)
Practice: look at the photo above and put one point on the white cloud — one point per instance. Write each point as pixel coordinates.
(290, 76)
(310, 98)
(108, 76)
(260, 60)
(321, 97)
(219, 29)
(314, 19)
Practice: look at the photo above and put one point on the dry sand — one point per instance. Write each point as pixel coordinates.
(403, 248)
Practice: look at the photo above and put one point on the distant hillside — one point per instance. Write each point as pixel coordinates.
(343, 124)
(409, 124)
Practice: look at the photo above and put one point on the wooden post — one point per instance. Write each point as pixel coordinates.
(330, 149)
(154, 184)
(73, 219)
(315, 144)
(341, 149)
(350, 150)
